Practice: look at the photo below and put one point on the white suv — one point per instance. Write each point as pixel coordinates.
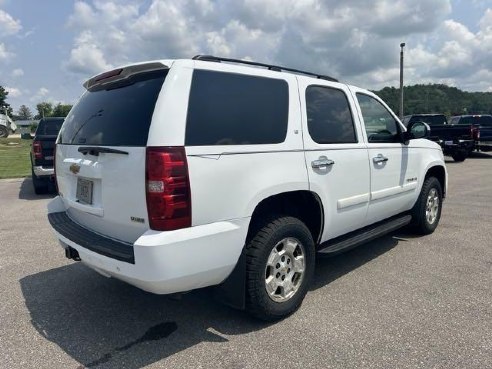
(180, 174)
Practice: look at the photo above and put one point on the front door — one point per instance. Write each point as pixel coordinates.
(393, 167)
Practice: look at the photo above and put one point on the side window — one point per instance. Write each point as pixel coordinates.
(236, 109)
(380, 124)
(328, 116)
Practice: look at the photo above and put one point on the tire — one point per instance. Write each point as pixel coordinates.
(40, 186)
(427, 211)
(288, 278)
(459, 156)
(3, 132)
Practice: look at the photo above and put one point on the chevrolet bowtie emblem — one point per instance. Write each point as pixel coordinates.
(75, 168)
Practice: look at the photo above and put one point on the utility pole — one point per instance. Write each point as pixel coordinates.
(402, 45)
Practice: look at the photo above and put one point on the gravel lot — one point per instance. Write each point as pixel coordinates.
(398, 302)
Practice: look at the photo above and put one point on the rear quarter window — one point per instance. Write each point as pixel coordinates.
(236, 109)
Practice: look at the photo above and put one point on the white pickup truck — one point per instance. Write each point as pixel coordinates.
(175, 175)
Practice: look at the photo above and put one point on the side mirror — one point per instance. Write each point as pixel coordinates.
(416, 130)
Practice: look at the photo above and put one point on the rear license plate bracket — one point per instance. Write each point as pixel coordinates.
(84, 191)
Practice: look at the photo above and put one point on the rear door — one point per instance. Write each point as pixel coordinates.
(336, 156)
(100, 158)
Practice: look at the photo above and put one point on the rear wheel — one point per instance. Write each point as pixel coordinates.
(459, 156)
(280, 265)
(427, 211)
(3, 132)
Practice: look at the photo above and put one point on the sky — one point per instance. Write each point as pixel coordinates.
(49, 48)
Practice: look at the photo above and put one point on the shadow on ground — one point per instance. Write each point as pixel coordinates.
(105, 323)
(26, 191)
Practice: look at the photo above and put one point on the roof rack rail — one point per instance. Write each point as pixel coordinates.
(276, 68)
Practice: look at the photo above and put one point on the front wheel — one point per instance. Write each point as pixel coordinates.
(427, 211)
(3, 132)
(279, 268)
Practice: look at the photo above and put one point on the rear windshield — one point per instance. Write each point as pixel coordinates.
(483, 120)
(119, 115)
(49, 127)
(431, 120)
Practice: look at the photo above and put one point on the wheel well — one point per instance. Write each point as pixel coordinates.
(304, 205)
(440, 174)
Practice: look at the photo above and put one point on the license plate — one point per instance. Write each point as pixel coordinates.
(84, 191)
(48, 157)
(447, 143)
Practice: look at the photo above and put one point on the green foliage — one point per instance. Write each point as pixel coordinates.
(24, 113)
(61, 110)
(437, 98)
(46, 109)
(3, 104)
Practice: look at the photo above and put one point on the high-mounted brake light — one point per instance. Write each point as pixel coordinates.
(167, 188)
(37, 149)
(107, 75)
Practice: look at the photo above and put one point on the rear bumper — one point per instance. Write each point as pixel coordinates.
(41, 171)
(158, 262)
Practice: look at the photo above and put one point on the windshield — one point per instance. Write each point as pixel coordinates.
(119, 115)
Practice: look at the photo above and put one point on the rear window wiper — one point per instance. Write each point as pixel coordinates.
(95, 150)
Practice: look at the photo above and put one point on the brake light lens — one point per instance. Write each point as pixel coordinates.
(167, 188)
(37, 149)
(475, 132)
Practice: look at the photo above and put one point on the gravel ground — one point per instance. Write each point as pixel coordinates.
(397, 302)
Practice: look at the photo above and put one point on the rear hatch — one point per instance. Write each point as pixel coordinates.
(101, 151)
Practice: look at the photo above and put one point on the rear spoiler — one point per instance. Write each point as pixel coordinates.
(120, 74)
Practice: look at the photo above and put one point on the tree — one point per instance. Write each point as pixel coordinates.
(24, 113)
(45, 109)
(61, 110)
(4, 106)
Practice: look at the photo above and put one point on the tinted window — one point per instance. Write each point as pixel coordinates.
(431, 120)
(379, 123)
(485, 120)
(119, 115)
(329, 116)
(49, 127)
(235, 109)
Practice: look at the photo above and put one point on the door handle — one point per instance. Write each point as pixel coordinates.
(322, 161)
(380, 159)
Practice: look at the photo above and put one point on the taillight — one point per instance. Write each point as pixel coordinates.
(37, 149)
(475, 132)
(167, 188)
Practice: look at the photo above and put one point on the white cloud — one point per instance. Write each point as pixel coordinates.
(18, 72)
(357, 41)
(86, 57)
(13, 92)
(4, 53)
(8, 25)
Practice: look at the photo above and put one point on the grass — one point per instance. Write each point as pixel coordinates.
(14, 158)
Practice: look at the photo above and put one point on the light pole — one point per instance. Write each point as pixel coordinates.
(402, 45)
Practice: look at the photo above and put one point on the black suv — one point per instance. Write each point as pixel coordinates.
(42, 153)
